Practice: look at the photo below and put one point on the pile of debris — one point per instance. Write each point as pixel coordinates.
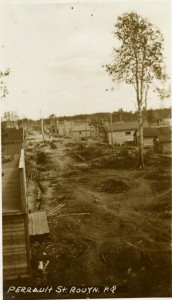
(112, 185)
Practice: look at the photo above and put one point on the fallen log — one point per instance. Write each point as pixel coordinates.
(87, 238)
(103, 257)
(132, 245)
(77, 214)
(79, 156)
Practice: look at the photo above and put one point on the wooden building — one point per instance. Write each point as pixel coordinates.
(75, 129)
(163, 141)
(166, 144)
(82, 130)
(13, 141)
(149, 133)
(120, 132)
(155, 137)
(16, 250)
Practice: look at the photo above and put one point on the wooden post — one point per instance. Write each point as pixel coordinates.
(86, 128)
(141, 156)
(42, 126)
(111, 129)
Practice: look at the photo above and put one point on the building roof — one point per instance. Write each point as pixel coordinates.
(165, 139)
(156, 131)
(13, 135)
(165, 131)
(123, 126)
(150, 132)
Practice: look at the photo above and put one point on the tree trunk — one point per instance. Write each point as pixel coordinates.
(140, 119)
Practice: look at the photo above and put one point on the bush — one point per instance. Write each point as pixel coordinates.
(124, 152)
(89, 152)
(41, 157)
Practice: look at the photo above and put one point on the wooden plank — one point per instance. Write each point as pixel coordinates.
(38, 217)
(35, 225)
(34, 219)
(38, 223)
(31, 223)
(46, 227)
(43, 227)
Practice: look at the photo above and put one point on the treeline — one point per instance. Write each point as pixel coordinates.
(150, 115)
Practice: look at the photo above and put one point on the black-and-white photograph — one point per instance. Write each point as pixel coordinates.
(86, 149)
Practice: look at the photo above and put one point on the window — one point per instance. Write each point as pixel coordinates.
(127, 132)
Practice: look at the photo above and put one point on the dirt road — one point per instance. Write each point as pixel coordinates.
(114, 227)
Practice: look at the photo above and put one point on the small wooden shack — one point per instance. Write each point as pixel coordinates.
(166, 144)
(158, 138)
(163, 144)
(13, 141)
(149, 133)
(81, 130)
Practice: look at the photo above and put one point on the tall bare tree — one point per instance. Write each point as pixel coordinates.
(138, 61)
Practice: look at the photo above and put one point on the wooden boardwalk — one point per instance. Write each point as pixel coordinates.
(16, 257)
(38, 223)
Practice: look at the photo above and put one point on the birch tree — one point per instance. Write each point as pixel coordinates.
(138, 61)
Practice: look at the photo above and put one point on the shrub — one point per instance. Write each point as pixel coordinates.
(124, 152)
(41, 157)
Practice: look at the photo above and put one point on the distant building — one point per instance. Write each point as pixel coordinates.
(163, 144)
(120, 132)
(162, 123)
(153, 135)
(149, 133)
(163, 141)
(75, 129)
(68, 128)
(61, 128)
(168, 121)
(80, 130)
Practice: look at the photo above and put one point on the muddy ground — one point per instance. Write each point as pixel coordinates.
(115, 223)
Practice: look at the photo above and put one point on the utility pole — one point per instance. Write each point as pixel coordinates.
(111, 129)
(56, 122)
(86, 127)
(42, 126)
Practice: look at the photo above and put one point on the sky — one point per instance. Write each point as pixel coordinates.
(55, 52)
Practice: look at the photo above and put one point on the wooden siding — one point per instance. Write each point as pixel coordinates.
(38, 223)
(166, 147)
(16, 257)
(120, 137)
(148, 141)
(81, 133)
(12, 148)
(11, 191)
